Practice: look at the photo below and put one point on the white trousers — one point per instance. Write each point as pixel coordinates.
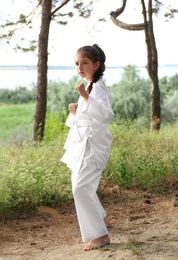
(89, 210)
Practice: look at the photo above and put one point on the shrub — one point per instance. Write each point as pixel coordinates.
(32, 176)
(18, 96)
(55, 125)
(60, 94)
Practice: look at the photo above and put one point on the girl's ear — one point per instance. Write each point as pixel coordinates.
(96, 65)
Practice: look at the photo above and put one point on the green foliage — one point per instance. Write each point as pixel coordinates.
(146, 160)
(130, 95)
(32, 176)
(131, 98)
(22, 18)
(55, 125)
(60, 94)
(170, 108)
(169, 84)
(20, 95)
(31, 46)
(169, 96)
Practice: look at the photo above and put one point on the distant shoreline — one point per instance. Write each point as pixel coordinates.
(13, 76)
(33, 67)
(50, 67)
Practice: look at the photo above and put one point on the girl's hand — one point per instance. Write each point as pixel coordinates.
(80, 87)
(72, 108)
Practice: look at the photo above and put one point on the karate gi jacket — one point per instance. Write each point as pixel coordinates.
(89, 125)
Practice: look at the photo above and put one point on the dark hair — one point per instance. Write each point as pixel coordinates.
(94, 53)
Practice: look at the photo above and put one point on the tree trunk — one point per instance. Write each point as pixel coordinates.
(152, 57)
(152, 68)
(42, 68)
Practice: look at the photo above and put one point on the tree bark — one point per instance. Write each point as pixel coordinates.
(152, 68)
(42, 68)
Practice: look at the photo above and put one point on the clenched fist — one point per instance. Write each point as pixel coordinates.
(72, 108)
(80, 87)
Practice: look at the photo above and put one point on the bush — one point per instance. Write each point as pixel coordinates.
(18, 96)
(32, 176)
(130, 95)
(60, 94)
(55, 125)
(170, 108)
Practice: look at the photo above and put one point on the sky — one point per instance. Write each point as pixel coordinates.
(121, 47)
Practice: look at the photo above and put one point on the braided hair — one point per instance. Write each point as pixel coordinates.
(94, 53)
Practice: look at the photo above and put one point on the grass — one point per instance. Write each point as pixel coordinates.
(32, 174)
(146, 160)
(134, 246)
(15, 121)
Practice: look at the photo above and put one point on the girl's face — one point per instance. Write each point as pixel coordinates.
(85, 67)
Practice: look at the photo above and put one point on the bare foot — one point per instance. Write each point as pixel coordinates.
(107, 222)
(97, 243)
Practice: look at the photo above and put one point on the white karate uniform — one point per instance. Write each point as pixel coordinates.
(87, 152)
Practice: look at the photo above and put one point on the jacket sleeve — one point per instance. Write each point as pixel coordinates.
(98, 107)
(70, 120)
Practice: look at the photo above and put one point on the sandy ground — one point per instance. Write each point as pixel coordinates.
(144, 226)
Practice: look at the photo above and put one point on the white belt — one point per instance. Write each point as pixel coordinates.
(84, 123)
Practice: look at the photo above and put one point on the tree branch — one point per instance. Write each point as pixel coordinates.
(130, 27)
(116, 13)
(126, 26)
(59, 7)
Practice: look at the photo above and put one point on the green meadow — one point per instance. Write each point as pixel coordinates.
(16, 121)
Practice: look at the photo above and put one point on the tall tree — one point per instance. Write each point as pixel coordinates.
(51, 10)
(41, 87)
(48, 13)
(152, 56)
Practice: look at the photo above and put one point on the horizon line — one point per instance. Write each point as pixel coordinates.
(69, 67)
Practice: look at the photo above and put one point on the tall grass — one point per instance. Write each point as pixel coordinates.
(32, 175)
(146, 160)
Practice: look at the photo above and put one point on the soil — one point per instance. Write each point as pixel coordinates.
(143, 226)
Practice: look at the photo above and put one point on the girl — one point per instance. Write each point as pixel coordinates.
(88, 145)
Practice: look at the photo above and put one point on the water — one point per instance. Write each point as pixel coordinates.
(11, 78)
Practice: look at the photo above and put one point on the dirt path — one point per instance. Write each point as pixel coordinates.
(144, 226)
